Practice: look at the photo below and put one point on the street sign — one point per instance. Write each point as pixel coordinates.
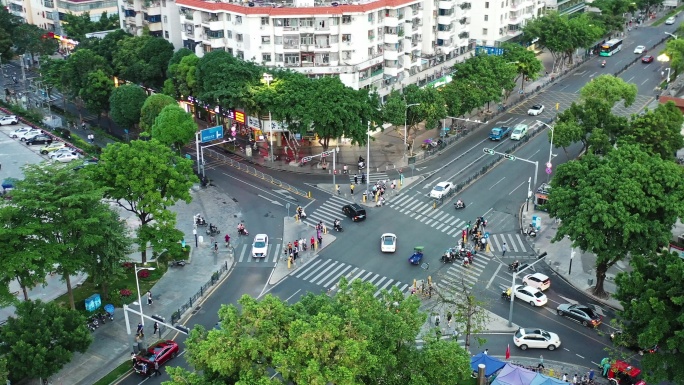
(211, 134)
(509, 157)
(488, 151)
(548, 171)
(487, 235)
(287, 205)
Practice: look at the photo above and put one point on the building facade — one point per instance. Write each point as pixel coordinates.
(47, 14)
(380, 44)
(566, 7)
(500, 21)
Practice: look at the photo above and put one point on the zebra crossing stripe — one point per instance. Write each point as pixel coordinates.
(510, 243)
(242, 254)
(316, 264)
(330, 274)
(357, 275)
(330, 266)
(377, 293)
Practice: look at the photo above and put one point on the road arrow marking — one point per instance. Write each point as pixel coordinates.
(571, 301)
(275, 202)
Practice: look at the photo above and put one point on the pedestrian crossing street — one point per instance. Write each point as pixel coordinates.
(327, 212)
(243, 253)
(373, 177)
(327, 273)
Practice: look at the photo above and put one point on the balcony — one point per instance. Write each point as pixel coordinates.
(392, 71)
(391, 38)
(391, 55)
(445, 4)
(445, 35)
(463, 35)
(391, 21)
(444, 19)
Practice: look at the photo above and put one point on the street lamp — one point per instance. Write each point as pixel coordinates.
(268, 78)
(406, 123)
(137, 285)
(671, 34)
(668, 74)
(548, 175)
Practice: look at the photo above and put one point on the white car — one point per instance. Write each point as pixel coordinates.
(535, 110)
(536, 338)
(639, 49)
(66, 157)
(441, 190)
(388, 243)
(260, 246)
(60, 151)
(530, 294)
(29, 134)
(8, 119)
(519, 132)
(19, 131)
(670, 20)
(538, 280)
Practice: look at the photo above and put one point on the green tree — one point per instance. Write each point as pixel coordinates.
(4, 373)
(96, 92)
(41, 338)
(469, 314)
(674, 49)
(106, 46)
(463, 96)
(174, 127)
(652, 300)
(658, 131)
(526, 62)
(51, 73)
(428, 105)
(153, 105)
(31, 40)
(492, 74)
(623, 203)
(65, 212)
(226, 80)
(593, 114)
(143, 60)
(612, 13)
(145, 178)
(74, 73)
(648, 5)
(125, 105)
(182, 74)
(5, 46)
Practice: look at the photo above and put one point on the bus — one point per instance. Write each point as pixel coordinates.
(611, 47)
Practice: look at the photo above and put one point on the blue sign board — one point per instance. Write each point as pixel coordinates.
(486, 50)
(93, 302)
(211, 134)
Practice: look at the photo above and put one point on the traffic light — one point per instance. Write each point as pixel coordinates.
(468, 225)
(488, 151)
(509, 156)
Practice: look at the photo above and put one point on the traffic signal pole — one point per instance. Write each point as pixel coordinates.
(489, 151)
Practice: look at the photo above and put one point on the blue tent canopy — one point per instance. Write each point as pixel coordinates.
(541, 379)
(492, 365)
(514, 375)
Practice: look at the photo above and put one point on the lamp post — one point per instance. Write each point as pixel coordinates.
(671, 34)
(405, 123)
(268, 78)
(668, 74)
(368, 157)
(137, 285)
(548, 176)
(572, 256)
(334, 154)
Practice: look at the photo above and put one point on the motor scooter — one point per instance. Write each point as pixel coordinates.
(459, 205)
(531, 231)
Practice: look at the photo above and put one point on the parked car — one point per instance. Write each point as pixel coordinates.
(670, 20)
(260, 246)
(441, 190)
(580, 313)
(19, 131)
(87, 162)
(355, 212)
(60, 151)
(388, 243)
(519, 132)
(535, 110)
(530, 294)
(6, 120)
(54, 146)
(647, 59)
(640, 49)
(29, 134)
(160, 352)
(39, 139)
(66, 157)
(536, 339)
(538, 280)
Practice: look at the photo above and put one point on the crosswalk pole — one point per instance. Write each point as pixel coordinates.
(296, 217)
(487, 247)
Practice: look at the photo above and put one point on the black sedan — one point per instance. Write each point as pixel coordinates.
(580, 313)
(39, 139)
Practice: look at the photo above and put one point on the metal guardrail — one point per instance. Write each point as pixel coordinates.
(200, 293)
(254, 172)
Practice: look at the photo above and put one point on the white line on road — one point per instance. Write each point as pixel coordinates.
(579, 356)
(493, 276)
(290, 297)
(645, 81)
(275, 202)
(512, 191)
(253, 186)
(630, 79)
(500, 180)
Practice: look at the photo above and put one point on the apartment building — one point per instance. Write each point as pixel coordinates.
(160, 17)
(566, 7)
(499, 21)
(377, 44)
(47, 14)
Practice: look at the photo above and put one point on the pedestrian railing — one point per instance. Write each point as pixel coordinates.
(176, 316)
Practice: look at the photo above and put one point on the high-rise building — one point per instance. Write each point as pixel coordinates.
(500, 21)
(378, 44)
(159, 17)
(47, 14)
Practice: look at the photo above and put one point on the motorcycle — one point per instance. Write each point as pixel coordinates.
(466, 262)
(338, 228)
(199, 221)
(459, 205)
(213, 230)
(90, 326)
(505, 295)
(243, 231)
(102, 318)
(449, 256)
(180, 263)
(603, 64)
(362, 163)
(531, 231)
(514, 266)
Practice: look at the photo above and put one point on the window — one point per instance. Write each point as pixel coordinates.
(265, 21)
(291, 59)
(228, 16)
(484, 31)
(346, 19)
(346, 38)
(279, 57)
(266, 57)
(265, 40)
(278, 22)
(486, 17)
(229, 34)
(335, 21)
(371, 34)
(278, 40)
(238, 19)
(334, 39)
(306, 22)
(346, 55)
(370, 17)
(486, 4)
(292, 23)
(291, 41)
(307, 39)
(240, 55)
(166, 34)
(166, 19)
(238, 37)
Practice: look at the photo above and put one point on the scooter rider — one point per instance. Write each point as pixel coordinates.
(515, 265)
(603, 63)
(241, 229)
(336, 225)
(459, 204)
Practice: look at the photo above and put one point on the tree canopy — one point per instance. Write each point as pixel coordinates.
(527, 65)
(658, 131)
(155, 178)
(623, 203)
(653, 310)
(351, 337)
(125, 105)
(77, 26)
(153, 105)
(41, 338)
(143, 60)
(174, 127)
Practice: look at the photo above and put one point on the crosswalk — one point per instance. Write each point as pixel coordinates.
(327, 212)
(373, 177)
(243, 253)
(327, 273)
